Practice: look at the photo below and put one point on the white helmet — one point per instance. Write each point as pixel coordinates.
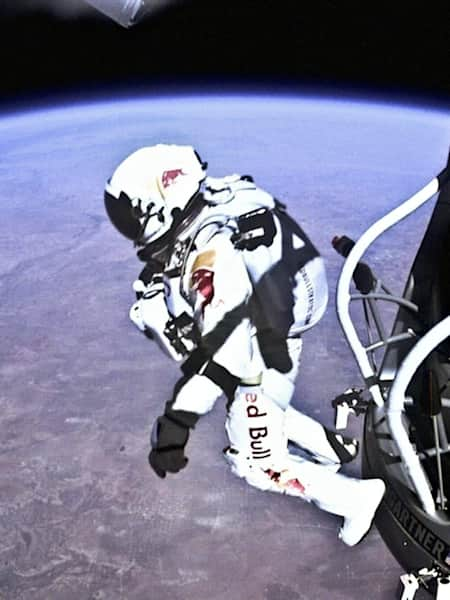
(150, 190)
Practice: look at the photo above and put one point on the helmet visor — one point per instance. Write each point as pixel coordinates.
(122, 215)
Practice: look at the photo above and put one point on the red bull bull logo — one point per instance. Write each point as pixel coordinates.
(168, 177)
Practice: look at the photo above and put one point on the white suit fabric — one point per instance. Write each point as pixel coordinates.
(253, 284)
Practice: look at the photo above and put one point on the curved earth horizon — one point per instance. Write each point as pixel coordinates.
(82, 517)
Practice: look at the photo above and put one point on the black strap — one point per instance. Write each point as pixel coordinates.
(150, 271)
(221, 377)
(370, 381)
(342, 453)
(182, 418)
(194, 362)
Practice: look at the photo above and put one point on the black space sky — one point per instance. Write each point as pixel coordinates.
(388, 48)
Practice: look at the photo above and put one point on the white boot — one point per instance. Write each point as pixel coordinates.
(358, 524)
(354, 499)
(324, 445)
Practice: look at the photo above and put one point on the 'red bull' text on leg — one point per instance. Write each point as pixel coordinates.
(257, 434)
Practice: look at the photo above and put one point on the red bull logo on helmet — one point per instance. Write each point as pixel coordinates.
(168, 177)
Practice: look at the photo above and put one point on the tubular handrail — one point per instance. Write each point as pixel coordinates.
(343, 296)
(396, 403)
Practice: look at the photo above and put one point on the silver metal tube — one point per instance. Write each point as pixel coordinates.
(442, 432)
(377, 319)
(429, 452)
(442, 499)
(391, 340)
(343, 289)
(396, 403)
(388, 298)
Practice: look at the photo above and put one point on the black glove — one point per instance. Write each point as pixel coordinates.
(169, 437)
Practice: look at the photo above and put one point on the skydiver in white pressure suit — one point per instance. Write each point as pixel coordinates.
(230, 284)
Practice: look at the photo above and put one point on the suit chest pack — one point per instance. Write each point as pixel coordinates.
(284, 267)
